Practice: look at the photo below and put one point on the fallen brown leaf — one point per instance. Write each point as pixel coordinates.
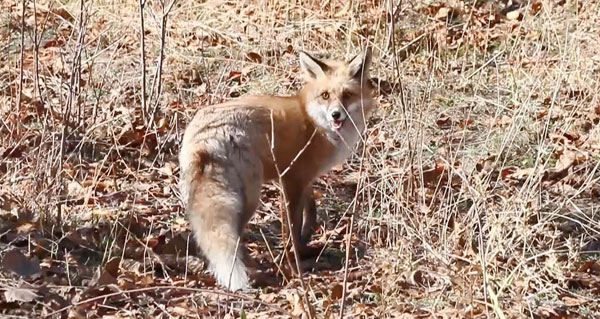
(573, 301)
(20, 294)
(254, 57)
(336, 292)
(513, 15)
(18, 263)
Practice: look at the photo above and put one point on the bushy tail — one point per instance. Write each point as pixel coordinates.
(214, 212)
(228, 269)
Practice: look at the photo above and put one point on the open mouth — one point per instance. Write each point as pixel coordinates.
(337, 124)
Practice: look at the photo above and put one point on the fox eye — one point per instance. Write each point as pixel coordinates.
(325, 95)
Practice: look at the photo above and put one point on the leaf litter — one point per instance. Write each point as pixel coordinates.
(446, 230)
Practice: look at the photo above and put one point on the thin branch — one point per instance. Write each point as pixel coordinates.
(80, 45)
(411, 153)
(273, 259)
(143, 58)
(75, 76)
(21, 60)
(288, 218)
(158, 75)
(392, 16)
(74, 86)
(299, 153)
(349, 231)
(37, 39)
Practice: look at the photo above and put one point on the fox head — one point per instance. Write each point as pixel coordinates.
(337, 94)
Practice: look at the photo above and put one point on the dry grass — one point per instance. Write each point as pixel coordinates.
(475, 192)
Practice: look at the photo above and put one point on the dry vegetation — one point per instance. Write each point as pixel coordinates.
(475, 194)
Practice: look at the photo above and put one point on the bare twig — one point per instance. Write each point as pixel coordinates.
(288, 218)
(235, 256)
(37, 39)
(346, 262)
(392, 15)
(75, 76)
(74, 87)
(350, 229)
(143, 58)
(273, 259)
(287, 169)
(21, 61)
(158, 75)
(402, 96)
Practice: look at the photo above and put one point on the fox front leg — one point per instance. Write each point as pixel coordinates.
(300, 207)
(309, 218)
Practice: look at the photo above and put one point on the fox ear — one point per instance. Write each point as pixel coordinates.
(359, 65)
(312, 66)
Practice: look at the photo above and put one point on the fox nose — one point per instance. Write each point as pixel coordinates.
(336, 115)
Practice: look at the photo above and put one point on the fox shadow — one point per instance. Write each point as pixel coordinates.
(326, 251)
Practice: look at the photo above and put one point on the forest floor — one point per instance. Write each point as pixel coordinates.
(475, 193)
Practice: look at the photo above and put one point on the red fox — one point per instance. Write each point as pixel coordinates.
(229, 150)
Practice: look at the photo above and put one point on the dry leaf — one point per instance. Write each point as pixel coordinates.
(504, 120)
(507, 171)
(336, 292)
(549, 312)
(513, 15)
(236, 76)
(566, 160)
(359, 308)
(75, 190)
(443, 13)
(254, 57)
(179, 311)
(297, 305)
(541, 114)
(26, 228)
(573, 301)
(536, 7)
(522, 173)
(18, 263)
(443, 120)
(63, 13)
(591, 267)
(344, 11)
(20, 294)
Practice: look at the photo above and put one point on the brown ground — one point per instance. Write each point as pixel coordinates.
(475, 194)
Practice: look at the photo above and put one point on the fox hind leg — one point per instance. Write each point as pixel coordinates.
(252, 177)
